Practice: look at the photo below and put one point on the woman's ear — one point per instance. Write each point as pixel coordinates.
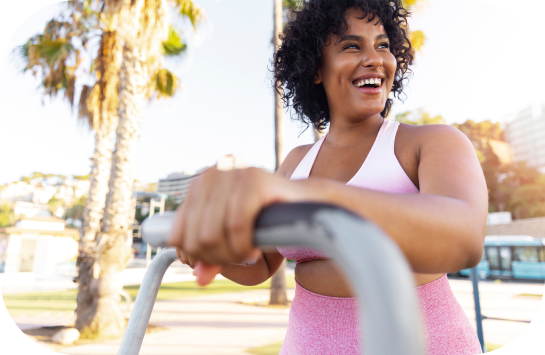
(317, 77)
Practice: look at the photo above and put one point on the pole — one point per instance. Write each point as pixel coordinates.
(148, 247)
(278, 293)
(478, 316)
(161, 211)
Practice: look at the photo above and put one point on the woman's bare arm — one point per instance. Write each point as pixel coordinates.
(441, 229)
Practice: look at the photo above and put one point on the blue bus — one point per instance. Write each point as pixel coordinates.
(512, 257)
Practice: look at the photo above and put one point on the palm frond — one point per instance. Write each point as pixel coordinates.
(292, 4)
(70, 90)
(186, 8)
(53, 50)
(163, 84)
(417, 38)
(173, 46)
(84, 113)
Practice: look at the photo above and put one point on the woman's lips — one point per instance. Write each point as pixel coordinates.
(369, 90)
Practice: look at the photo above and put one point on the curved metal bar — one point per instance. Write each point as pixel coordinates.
(372, 262)
(147, 294)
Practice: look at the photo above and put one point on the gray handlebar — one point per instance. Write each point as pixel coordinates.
(372, 262)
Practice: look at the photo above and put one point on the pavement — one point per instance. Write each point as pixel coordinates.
(25, 282)
(222, 324)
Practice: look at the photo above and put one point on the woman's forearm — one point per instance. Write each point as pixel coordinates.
(250, 275)
(436, 233)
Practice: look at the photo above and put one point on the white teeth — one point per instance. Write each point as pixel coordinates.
(373, 81)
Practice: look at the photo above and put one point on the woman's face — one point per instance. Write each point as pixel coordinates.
(361, 55)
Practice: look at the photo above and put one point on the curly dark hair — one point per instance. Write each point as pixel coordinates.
(301, 53)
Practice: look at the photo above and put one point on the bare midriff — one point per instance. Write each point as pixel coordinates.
(324, 277)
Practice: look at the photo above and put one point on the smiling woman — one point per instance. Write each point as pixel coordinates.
(339, 63)
(302, 53)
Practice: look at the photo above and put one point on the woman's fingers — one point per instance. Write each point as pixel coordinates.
(210, 235)
(215, 222)
(206, 272)
(182, 256)
(241, 214)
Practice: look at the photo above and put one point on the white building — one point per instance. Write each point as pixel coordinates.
(177, 184)
(39, 245)
(525, 133)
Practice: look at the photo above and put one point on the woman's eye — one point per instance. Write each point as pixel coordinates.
(384, 45)
(352, 46)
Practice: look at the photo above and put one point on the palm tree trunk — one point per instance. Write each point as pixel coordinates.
(278, 281)
(112, 248)
(92, 215)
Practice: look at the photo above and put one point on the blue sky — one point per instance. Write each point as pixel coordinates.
(481, 61)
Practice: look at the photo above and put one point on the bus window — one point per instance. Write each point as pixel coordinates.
(528, 254)
(493, 258)
(542, 254)
(505, 254)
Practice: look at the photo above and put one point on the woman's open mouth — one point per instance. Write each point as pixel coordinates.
(369, 86)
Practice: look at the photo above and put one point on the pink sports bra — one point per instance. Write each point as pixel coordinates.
(380, 171)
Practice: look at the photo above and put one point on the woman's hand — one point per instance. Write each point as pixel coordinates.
(214, 226)
(203, 278)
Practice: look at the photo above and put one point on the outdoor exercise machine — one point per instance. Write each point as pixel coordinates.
(372, 262)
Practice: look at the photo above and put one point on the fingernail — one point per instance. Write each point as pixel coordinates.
(197, 271)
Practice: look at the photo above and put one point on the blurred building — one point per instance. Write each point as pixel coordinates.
(31, 198)
(39, 245)
(525, 133)
(177, 184)
(495, 218)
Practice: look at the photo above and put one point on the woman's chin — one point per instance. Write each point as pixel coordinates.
(370, 111)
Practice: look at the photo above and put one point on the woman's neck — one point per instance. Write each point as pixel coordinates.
(350, 133)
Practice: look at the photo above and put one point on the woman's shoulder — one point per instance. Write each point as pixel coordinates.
(293, 159)
(425, 133)
(426, 139)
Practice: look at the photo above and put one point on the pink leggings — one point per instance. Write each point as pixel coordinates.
(329, 325)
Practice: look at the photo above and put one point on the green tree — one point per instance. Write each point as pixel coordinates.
(512, 186)
(419, 117)
(171, 204)
(77, 209)
(54, 204)
(7, 218)
(81, 177)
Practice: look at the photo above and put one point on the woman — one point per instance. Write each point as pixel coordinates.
(339, 63)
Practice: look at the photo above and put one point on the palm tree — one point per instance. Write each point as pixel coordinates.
(54, 57)
(142, 25)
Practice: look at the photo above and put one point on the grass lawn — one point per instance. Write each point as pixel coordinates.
(64, 302)
(274, 349)
(271, 349)
(492, 347)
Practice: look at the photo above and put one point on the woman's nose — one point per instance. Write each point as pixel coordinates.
(371, 59)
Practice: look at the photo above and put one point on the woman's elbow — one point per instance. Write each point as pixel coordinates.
(474, 252)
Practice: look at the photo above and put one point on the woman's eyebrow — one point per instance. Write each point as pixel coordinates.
(359, 38)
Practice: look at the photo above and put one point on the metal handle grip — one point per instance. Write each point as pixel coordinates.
(156, 228)
(372, 262)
